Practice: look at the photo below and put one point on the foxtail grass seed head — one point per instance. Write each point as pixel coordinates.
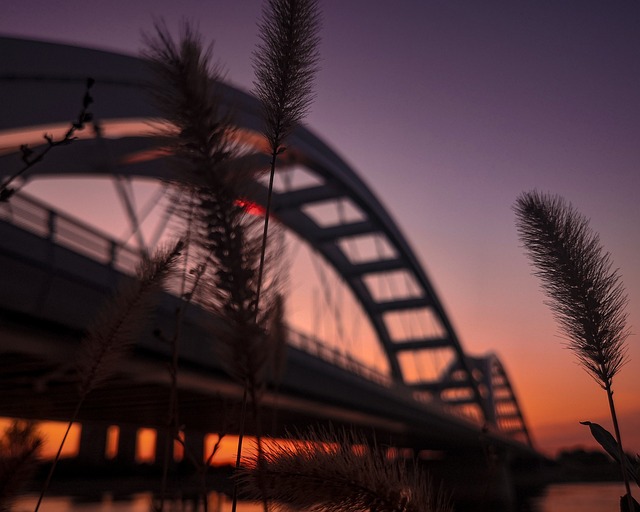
(227, 238)
(186, 90)
(322, 470)
(122, 320)
(285, 63)
(584, 292)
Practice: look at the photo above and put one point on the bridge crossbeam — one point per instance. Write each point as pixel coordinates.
(422, 344)
(372, 267)
(344, 230)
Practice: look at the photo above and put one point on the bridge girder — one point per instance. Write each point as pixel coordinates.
(501, 403)
(41, 84)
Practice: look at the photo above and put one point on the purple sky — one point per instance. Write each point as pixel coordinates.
(448, 110)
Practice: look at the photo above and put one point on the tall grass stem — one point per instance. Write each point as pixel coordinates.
(585, 294)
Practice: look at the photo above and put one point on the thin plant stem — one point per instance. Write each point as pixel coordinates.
(256, 414)
(172, 423)
(205, 468)
(115, 330)
(173, 420)
(47, 482)
(267, 214)
(616, 429)
(263, 249)
(284, 64)
(243, 414)
(173, 431)
(168, 440)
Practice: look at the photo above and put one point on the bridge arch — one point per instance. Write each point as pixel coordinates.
(41, 84)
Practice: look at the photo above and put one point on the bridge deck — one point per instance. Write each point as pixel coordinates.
(51, 293)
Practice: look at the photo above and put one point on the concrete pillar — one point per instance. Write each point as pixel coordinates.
(162, 446)
(127, 441)
(194, 446)
(93, 442)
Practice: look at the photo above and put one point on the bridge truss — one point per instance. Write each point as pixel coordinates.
(41, 83)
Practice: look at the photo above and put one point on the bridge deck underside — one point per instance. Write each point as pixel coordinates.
(44, 385)
(41, 335)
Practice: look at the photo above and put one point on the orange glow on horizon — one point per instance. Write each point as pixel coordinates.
(52, 433)
(226, 451)
(146, 445)
(113, 436)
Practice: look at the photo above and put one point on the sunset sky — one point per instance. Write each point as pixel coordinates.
(448, 109)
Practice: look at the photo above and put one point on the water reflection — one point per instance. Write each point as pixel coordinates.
(575, 497)
(139, 502)
(580, 497)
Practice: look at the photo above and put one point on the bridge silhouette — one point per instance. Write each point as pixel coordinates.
(57, 272)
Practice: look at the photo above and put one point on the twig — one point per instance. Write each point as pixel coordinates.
(31, 158)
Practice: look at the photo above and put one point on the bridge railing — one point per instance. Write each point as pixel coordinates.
(37, 217)
(316, 347)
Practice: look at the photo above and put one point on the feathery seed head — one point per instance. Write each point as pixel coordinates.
(120, 323)
(585, 294)
(227, 238)
(336, 472)
(285, 64)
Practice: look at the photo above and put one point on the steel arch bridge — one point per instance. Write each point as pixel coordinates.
(41, 85)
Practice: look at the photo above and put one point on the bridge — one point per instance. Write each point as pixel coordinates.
(57, 271)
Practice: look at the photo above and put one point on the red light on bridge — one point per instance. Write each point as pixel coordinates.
(250, 207)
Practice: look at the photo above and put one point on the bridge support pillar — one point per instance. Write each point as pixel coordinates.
(93, 442)
(127, 443)
(164, 447)
(194, 446)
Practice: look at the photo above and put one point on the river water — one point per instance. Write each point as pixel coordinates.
(573, 497)
(591, 497)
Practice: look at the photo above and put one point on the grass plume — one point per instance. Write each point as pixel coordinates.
(228, 239)
(331, 472)
(585, 293)
(122, 320)
(285, 63)
(116, 328)
(199, 135)
(186, 93)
